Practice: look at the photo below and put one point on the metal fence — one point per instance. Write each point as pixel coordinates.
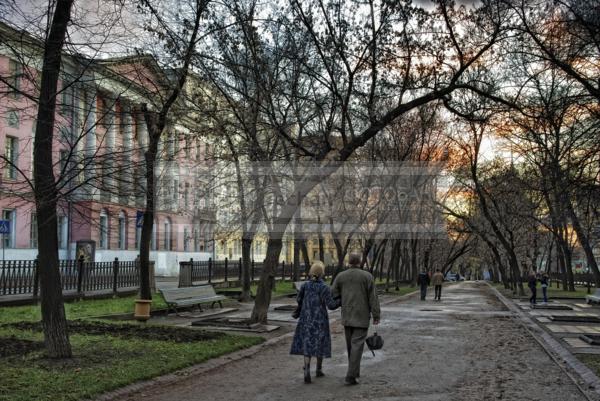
(583, 279)
(21, 277)
(209, 271)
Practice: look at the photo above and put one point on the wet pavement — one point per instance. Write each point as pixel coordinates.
(466, 347)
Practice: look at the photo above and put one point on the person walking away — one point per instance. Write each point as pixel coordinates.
(437, 280)
(356, 288)
(532, 284)
(312, 337)
(544, 281)
(423, 282)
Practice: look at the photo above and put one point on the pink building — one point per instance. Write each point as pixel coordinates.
(98, 151)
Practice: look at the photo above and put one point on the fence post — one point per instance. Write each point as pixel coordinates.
(240, 270)
(589, 283)
(252, 272)
(283, 270)
(210, 269)
(226, 264)
(80, 273)
(36, 278)
(115, 274)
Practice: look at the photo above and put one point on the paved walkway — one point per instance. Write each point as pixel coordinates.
(467, 347)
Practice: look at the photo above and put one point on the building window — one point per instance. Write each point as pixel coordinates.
(103, 234)
(186, 196)
(33, 231)
(9, 239)
(154, 241)
(175, 194)
(196, 240)
(138, 237)
(67, 96)
(122, 231)
(12, 119)
(62, 231)
(167, 243)
(64, 157)
(16, 72)
(186, 239)
(11, 153)
(65, 135)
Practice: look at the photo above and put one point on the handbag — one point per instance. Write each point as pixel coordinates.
(296, 312)
(374, 342)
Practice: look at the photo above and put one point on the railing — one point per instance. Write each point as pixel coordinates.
(583, 279)
(21, 277)
(209, 271)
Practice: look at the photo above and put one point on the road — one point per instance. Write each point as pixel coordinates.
(466, 347)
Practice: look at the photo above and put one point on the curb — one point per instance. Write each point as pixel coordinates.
(557, 352)
(203, 367)
(182, 374)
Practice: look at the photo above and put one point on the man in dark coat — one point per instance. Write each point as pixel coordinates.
(423, 281)
(356, 287)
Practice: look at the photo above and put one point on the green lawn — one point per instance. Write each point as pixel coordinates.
(402, 290)
(592, 361)
(78, 309)
(101, 363)
(580, 291)
(281, 288)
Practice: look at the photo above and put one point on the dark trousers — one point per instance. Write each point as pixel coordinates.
(355, 342)
(545, 293)
(423, 291)
(438, 292)
(533, 294)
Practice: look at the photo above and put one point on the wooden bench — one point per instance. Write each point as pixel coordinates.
(191, 296)
(594, 298)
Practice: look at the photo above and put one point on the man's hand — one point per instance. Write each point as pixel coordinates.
(375, 322)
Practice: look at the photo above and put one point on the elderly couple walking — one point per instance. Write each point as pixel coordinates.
(353, 290)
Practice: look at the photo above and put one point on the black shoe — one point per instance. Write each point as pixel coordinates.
(320, 373)
(307, 376)
(350, 380)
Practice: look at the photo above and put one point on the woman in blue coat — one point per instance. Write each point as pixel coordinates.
(312, 336)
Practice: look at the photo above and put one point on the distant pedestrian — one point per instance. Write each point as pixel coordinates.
(544, 281)
(356, 287)
(437, 280)
(312, 336)
(423, 282)
(532, 284)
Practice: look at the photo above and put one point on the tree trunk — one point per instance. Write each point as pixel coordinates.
(305, 256)
(296, 258)
(54, 322)
(148, 222)
(413, 261)
(393, 264)
(560, 261)
(246, 295)
(584, 241)
(267, 281)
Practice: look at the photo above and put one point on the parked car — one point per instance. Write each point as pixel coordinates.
(454, 277)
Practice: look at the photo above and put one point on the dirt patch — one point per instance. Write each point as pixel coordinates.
(159, 333)
(16, 346)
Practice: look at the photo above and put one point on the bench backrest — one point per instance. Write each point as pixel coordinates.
(175, 294)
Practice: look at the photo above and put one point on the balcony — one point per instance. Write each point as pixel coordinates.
(206, 213)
